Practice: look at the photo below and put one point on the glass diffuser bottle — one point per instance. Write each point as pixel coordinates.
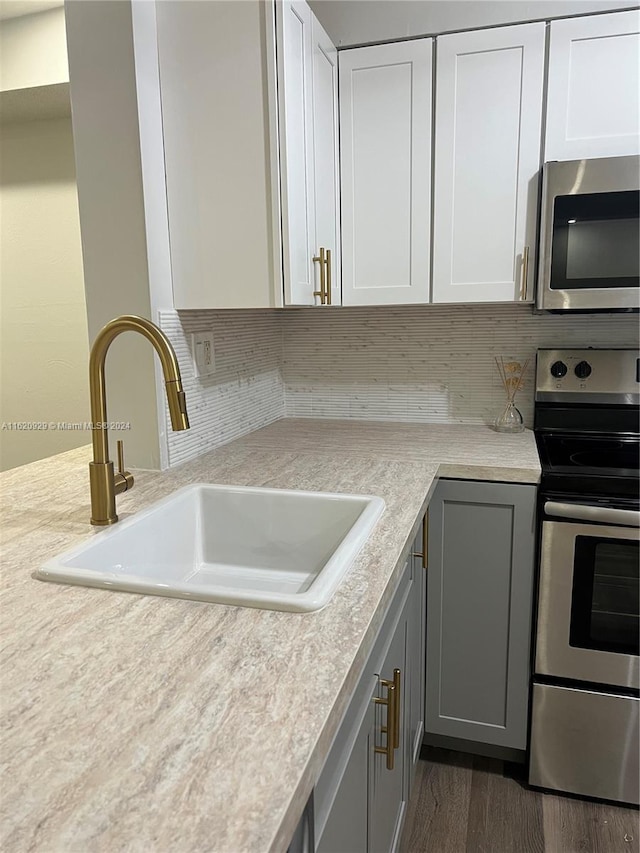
(512, 374)
(510, 419)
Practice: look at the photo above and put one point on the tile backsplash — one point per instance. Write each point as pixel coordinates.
(245, 392)
(423, 364)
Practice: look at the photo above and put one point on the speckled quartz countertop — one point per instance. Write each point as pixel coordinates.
(143, 723)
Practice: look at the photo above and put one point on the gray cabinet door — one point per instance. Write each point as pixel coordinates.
(415, 661)
(387, 787)
(346, 828)
(479, 608)
(359, 802)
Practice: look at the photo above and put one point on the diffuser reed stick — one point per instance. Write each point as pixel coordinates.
(512, 376)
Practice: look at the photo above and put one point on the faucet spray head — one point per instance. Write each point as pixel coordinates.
(177, 405)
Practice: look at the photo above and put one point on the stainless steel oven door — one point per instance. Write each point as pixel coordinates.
(588, 608)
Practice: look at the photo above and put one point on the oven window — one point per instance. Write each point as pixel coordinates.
(605, 605)
(596, 241)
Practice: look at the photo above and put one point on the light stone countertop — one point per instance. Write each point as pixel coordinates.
(142, 723)
(461, 451)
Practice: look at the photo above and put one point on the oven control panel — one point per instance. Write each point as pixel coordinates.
(603, 375)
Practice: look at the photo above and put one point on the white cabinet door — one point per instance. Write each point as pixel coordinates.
(216, 140)
(385, 149)
(326, 172)
(593, 106)
(489, 87)
(308, 118)
(296, 140)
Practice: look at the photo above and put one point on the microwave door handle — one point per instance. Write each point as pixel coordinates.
(607, 515)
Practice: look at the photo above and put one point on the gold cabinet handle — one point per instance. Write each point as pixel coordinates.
(396, 717)
(390, 728)
(425, 541)
(424, 554)
(328, 276)
(525, 272)
(321, 259)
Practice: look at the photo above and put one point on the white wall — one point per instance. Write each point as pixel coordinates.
(43, 326)
(44, 343)
(33, 50)
(351, 22)
(107, 138)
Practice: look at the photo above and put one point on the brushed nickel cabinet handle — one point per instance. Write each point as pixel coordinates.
(525, 273)
(328, 277)
(321, 259)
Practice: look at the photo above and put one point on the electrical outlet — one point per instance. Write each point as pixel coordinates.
(202, 349)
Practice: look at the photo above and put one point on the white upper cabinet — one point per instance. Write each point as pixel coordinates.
(593, 107)
(385, 147)
(250, 140)
(489, 94)
(326, 163)
(218, 149)
(257, 185)
(296, 134)
(308, 120)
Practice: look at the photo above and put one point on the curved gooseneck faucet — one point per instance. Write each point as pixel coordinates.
(105, 482)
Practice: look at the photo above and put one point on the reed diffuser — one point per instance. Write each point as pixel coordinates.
(512, 376)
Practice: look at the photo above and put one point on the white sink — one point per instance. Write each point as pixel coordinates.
(270, 548)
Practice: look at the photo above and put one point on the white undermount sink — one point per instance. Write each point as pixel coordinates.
(269, 548)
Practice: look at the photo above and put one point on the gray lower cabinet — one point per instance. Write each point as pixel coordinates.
(416, 630)
(346, 826)
(387, 794)
(479, 610)
(360, 798)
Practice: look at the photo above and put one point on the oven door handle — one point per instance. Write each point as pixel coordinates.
(607, 515)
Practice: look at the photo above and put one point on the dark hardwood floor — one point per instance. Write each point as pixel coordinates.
(467, 804)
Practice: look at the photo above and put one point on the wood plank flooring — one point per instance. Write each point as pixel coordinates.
(467, 804)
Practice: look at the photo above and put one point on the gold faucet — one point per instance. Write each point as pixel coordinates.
(105, 482)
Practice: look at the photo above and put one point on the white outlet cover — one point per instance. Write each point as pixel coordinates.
(202, 349)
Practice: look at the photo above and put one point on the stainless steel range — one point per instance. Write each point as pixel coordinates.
(586, 700)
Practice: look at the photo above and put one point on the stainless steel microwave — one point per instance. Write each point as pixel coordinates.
(589, 253)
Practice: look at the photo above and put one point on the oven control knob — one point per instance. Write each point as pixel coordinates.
(558, 369)
(583, 369)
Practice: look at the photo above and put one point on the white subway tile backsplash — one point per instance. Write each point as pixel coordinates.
(425, 364)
